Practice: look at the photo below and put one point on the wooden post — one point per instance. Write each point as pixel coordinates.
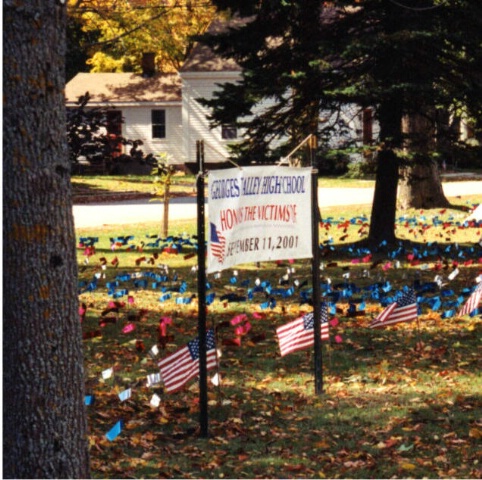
(318, 367)
(201, 277)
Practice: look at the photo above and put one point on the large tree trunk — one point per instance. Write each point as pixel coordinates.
(421, 186)
(420, 183)
(44, 422)
(384, 207)
(382, 223)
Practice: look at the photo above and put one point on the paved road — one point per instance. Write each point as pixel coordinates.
(137, 211)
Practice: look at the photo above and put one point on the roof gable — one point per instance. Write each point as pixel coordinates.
(124, 88)
(203, 59)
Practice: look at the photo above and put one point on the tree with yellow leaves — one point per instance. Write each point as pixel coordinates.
(125, 29)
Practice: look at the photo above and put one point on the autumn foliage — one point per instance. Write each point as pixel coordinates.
(398, 402)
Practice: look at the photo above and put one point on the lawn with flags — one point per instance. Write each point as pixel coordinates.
(401, 401)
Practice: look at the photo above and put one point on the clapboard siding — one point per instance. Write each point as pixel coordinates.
(138, 126)
(194, 115)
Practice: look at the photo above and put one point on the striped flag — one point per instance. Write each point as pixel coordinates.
(403, 310)
(217, 243)
(472, 302)
(178, 368)
(299, 333)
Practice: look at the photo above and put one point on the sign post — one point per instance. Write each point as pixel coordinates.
(201, 277)
(318, 367)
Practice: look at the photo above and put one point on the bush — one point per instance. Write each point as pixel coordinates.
(92, 149)
(462, 157)
(332, 163)
(365, 167)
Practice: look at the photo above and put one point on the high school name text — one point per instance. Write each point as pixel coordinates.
(266, 185)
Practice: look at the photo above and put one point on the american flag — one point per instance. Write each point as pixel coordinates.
(472, 302)
(299, 333)
(403, 310)
(217, 243)
(179, 367)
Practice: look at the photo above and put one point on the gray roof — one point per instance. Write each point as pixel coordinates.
(124, 88)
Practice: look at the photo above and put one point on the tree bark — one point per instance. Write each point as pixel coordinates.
(421, 187)
(44, 421)
(384, 207)
(420, 182)
(382, 223)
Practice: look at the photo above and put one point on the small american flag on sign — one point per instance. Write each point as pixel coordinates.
(177, 369)
(299, 333)
(472, 302)
(403, 310)
(217, 243)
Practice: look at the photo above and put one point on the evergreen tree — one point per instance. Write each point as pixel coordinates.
(407, 59)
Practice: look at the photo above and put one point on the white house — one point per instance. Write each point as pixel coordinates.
(150, 106)
(162, 109)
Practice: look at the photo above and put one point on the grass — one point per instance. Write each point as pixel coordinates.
(401, 402)
(102, 184)
(181, 184)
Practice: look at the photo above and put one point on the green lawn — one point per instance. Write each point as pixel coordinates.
(95, 184)
(92, 185)
(400, 402)
(101, 184)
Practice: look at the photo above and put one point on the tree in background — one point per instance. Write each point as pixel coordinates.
(406, 59)
(125, 30)
(44, 421)
(79, 44)
(163, 172)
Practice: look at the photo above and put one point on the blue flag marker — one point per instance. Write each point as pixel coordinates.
(183, 300)
(165, 297)
(210, 298)
(114, 431)
(435, 303)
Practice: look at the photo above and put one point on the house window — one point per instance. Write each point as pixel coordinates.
(158, 121)
(229, 132)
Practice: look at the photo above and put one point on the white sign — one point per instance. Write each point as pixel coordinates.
(258, 214)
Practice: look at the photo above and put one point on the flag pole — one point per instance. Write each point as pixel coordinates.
(318, 367)
(201, 280)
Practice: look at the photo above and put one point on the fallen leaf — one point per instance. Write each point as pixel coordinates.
(475, 433)
(407, 466)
